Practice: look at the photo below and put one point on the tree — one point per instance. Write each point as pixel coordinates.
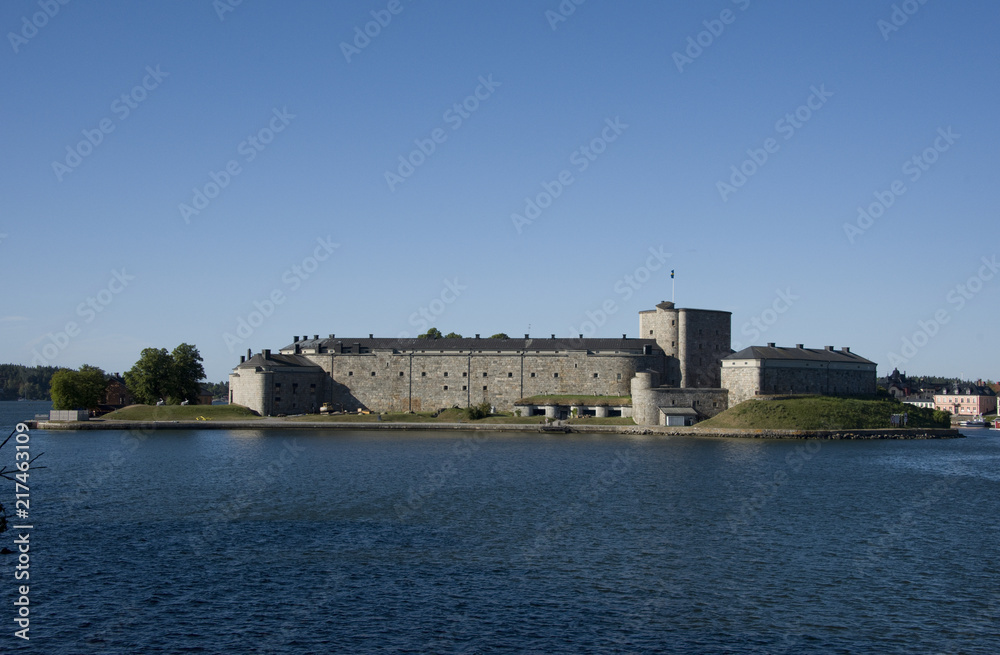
(172, 377)
(185, 371)
(453, 335)
(500, 335)
(432, 333)
(81, 389)
(149, 378)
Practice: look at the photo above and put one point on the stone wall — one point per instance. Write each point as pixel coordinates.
(401, 382)
(647, 400)
(742, 378)
(746, 379)
(698, 339)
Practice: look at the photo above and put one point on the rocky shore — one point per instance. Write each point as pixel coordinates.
(284, 424)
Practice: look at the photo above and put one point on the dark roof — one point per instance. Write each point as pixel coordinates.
(278, 361)
(388, 343)
(800, 354)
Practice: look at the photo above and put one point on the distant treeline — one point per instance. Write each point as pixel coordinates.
(31, 382)
(218, 390)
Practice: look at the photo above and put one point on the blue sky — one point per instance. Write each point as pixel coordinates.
(171, 169)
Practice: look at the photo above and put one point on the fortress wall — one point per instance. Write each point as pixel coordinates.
(508, 377)
(646, 405)
(704, 340)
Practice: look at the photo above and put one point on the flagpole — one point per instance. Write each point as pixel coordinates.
(671, 285)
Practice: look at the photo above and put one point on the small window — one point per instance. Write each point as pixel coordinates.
(400, 374)
(532, 375)
(423, 374)
(651, 332)
(277, 399)
(446, 373)
(277, 385)
(350, 373)
(510, 375)
(465, 374)
(595, 375)
(446, 387)
(464, 388)
(555, 375)
(484, 373)
(484, 387)
(619, 376)
(373, 373)
(312, 386)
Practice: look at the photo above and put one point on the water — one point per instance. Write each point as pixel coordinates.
(354, 542)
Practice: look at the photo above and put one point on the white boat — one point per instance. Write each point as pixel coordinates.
(976, 422)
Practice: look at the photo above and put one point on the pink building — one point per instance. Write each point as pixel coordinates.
(966, 400)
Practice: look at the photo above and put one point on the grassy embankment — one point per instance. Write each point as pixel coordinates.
(822, 413)
(181, 413)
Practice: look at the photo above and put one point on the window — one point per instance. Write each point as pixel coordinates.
(446, 373)
(532, 375)
(595, 375)
(277, 399)
(484, 387)
(651, 332)
(555, 375)
(373, 373)
(350, 373)
(465, 374)
(619, 376)
(464, 387)
(510, 375)
(446, 387)
(277, 385)
(400, 374)
(423, 374)
(312, 386)
(484, 373)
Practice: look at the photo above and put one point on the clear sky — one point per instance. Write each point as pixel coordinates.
(170, 169)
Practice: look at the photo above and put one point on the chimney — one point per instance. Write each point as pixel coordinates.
(297, 348)
(316, 336)
(770, 344)
(846, 349)
(249, 353)
(295, 339)
(243, 358)
(624, 336)
(371, 335)
(332, 335)
(799, 346)
(553, 336)
(526, 336)
(477, 335)
(266, 353)
(829, 347)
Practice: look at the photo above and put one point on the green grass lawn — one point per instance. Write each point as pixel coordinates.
(822, 413)
(181, 413)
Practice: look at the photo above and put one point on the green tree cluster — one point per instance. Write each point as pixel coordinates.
(31, 382)
(82, 389)
(172, 377)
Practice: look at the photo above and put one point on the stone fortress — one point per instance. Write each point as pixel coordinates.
(680, 370)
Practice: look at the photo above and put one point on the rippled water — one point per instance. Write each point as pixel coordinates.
(347, 542)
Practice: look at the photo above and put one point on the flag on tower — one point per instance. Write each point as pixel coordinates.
(671, 274)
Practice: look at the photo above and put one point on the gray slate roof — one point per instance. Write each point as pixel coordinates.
(467, 344)
(278, 361)
(798, 354)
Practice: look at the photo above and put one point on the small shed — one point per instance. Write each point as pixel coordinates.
(678, 416)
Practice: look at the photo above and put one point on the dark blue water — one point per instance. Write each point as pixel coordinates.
(348, 542)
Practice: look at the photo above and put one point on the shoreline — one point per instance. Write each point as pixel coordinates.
(694, 431)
